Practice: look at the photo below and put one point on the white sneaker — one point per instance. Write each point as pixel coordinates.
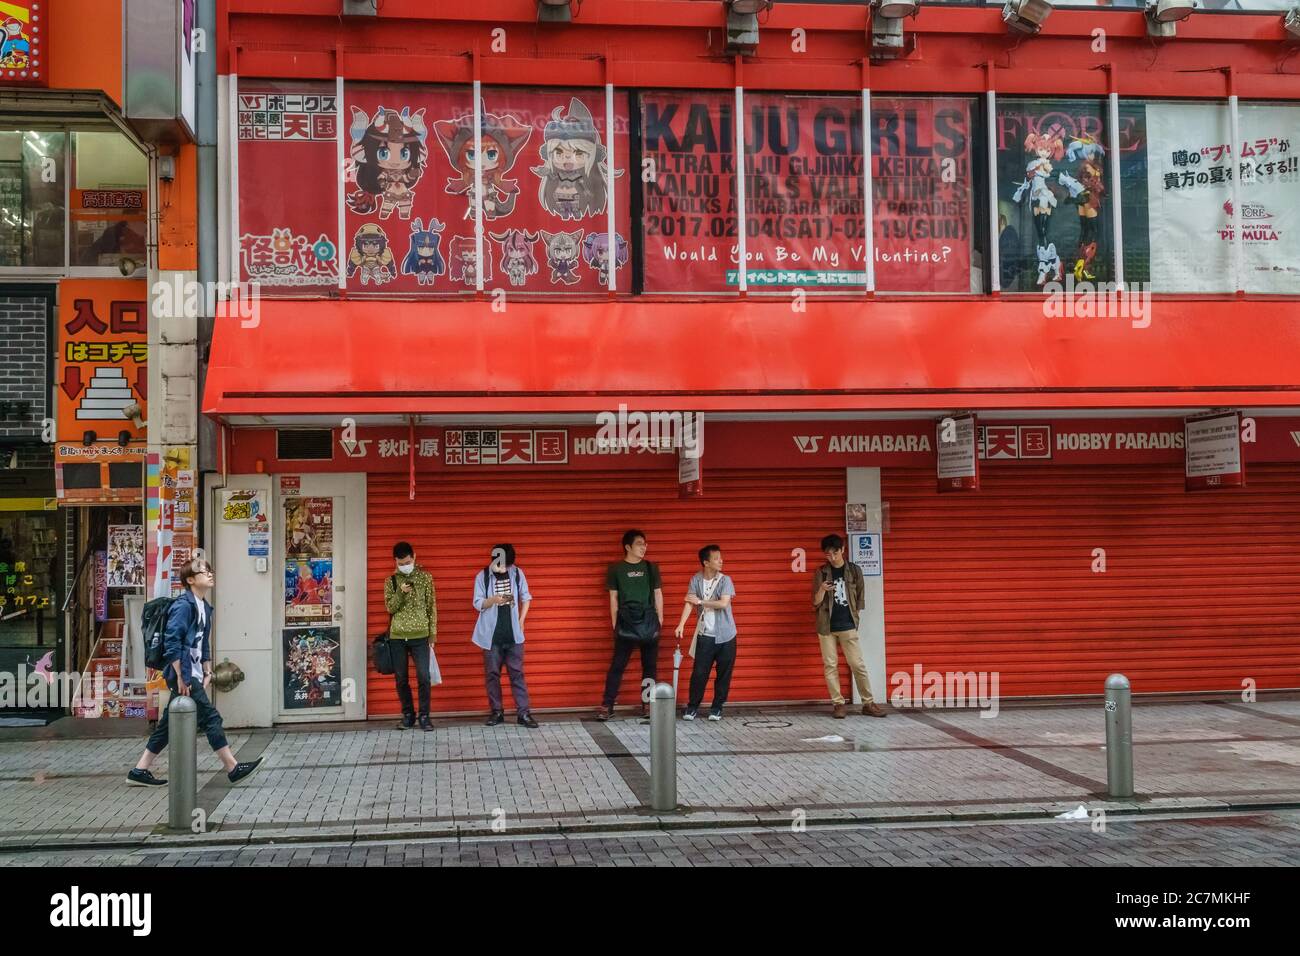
(689, 715)
(715, 715)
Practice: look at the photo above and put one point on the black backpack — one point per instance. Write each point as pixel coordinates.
(153, 625)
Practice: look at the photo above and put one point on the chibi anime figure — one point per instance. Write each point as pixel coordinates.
(371, 256)
(1089, 153)
(503, 139)
(1044, 149)
(573, 166)
(517, 259)
(424, 261)
(464, 262)
(388, 155)
(562, 255)
(595, 252)
(15, 45)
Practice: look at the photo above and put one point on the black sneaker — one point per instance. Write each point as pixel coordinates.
(526, 720)
(494, 718)
(407, 722)
(425, 724)
(143, 778)
(243, 771)
(690, 714)
(605, 713)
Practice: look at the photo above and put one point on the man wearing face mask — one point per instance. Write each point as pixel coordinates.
(410, 598)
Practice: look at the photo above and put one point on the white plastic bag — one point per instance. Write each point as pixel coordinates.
(435, 672)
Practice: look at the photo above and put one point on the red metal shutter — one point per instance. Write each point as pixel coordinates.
(566, 528)
(1200, 592)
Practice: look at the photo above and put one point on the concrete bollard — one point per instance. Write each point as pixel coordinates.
(1119, 737)
(182, 771)
(663, 748)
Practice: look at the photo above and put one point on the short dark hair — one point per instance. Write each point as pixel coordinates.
(630, 536)
(193, 569)
(509, 550)
(707, 551)
(403, 549)
(832, 542)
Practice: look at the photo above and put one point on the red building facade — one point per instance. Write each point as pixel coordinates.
(1050, 253)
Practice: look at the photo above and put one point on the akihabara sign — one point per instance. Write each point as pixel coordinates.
(787, 444)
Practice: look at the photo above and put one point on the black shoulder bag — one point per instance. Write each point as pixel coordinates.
(638, 623)
(382, 652)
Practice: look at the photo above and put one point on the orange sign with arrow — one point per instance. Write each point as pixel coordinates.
(101, 370)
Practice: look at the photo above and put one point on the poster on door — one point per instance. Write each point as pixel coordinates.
(312, 667)
(1213, 451)
(1192, 221)
(308, 590)
(411, 186)
(125, 556)
(308, 527)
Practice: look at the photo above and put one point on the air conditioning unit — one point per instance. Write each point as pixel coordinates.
(360, 8)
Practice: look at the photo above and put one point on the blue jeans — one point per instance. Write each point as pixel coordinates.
(209, 720)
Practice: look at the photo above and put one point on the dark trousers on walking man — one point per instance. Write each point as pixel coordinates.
(709, 653)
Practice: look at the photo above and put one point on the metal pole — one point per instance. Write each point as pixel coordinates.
(1119, 737)
(182, 772)
(663, 748)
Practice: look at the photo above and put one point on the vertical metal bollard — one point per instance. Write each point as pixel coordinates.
(1119, 737)
(663, 748)
(182, 772)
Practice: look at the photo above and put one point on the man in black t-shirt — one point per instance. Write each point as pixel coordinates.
(634, 588)
(839, 593)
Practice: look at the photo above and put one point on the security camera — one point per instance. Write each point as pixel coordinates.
(128, 266)
(135, 413)
(1163, 16)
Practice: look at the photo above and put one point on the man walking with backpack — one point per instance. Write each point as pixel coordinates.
(187, 652)
(410, 598)
(839, 593)
(501, 597)
(636, 608)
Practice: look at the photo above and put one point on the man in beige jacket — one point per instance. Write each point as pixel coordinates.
(839, 593)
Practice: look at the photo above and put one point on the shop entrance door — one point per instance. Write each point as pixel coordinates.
(318, 546)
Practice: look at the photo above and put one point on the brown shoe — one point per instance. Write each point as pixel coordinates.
(839, 712)
(604, 714)
(874, 710)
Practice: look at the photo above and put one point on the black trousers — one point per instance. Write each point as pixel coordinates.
(707, 654)
(417, 650)
(209, 721)
(622, 654)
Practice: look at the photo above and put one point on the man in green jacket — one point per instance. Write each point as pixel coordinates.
(410, 598)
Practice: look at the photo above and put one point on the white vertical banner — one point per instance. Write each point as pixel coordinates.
(991, 124)
(234, 177)
(340, 125)
(1116, 199)
(478, 185)
(1237, 220)
(868, 199)
(609, 187)
(743, 265)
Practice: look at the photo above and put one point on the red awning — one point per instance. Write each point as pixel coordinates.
(387, 357)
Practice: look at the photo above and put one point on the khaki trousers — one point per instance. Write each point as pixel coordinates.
(831, 663)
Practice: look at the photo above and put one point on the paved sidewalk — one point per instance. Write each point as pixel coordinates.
(367, 781)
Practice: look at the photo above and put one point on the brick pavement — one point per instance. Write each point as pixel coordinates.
(372, 782)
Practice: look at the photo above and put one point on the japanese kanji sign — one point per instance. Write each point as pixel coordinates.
(103, 353)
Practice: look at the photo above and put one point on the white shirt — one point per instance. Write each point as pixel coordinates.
(709, 616)
(196, 652)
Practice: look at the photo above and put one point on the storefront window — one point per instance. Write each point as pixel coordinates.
(109, 200)
(32, 210)
(1179, 217)
(28, 556)
(1054, 203)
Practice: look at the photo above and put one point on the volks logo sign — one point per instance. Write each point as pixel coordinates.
(807, 443)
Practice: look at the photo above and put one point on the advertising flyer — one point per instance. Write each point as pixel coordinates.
(308, 590)
(958, 464)
(308, 527)
(1213, 451)
(312, 667)
(241, 504)
(125, 556)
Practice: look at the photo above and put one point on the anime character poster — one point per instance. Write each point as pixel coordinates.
(1053, 194)
(308, 590)
(309, 527)
(312, 667)
(125, 556)
(288, 186)
(411, 189)
(1190, 164)
(804, 187)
